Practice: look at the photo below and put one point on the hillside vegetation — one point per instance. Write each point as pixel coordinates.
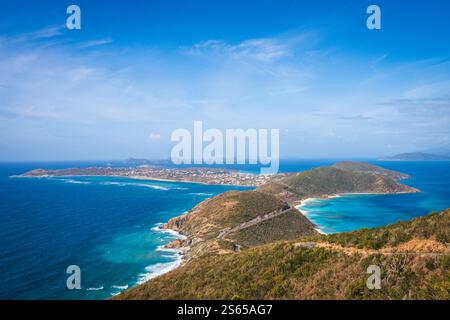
(317, 270)
(290, 225)
(433, 227)
(233, 218)
(226, 210)
(325, 181)
(369, 168)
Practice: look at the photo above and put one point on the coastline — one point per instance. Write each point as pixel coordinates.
(158, 269)
(305, 213)
(319, 228)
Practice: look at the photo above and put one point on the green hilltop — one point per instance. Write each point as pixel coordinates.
(339, 179)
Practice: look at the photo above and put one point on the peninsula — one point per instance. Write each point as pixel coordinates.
(195, 175)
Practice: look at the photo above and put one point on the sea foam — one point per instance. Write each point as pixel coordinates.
(158, 269)
(95, 289)
(135, 184)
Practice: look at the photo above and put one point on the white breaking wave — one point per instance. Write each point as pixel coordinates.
(95, 289)
(75, 181)
(158, 228)
(151, 186)
(109, 183)
(201, 194)
(120, 287)
(170, 256)
(134, 184)
(158, 269)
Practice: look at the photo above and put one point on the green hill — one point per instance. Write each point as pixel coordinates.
(414, 266)
(233, 218)
(435, 227)
(224, 211)
(326, 181)
(369, 168)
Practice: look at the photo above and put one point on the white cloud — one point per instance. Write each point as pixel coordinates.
(264, 50)
(95, 43)
(44, 33)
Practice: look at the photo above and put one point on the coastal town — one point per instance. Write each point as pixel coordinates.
(197, 175)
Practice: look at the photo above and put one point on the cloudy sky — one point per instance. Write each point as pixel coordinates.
(138, 70)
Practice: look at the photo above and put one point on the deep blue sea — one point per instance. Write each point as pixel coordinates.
(106, 226)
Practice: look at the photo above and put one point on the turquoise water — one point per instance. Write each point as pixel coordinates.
(351, 212)
(106, 226)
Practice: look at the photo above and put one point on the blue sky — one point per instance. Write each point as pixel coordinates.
(137, 70)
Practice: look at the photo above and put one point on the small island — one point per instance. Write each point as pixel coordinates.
(417, 156)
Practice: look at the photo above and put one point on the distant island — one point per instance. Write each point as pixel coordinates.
(153, 172)
(417, 156)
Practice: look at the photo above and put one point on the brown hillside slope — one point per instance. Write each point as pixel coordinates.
(320, 269)
(218, 224)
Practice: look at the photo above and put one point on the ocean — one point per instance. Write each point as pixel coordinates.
(106, 226)
(109, 226)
